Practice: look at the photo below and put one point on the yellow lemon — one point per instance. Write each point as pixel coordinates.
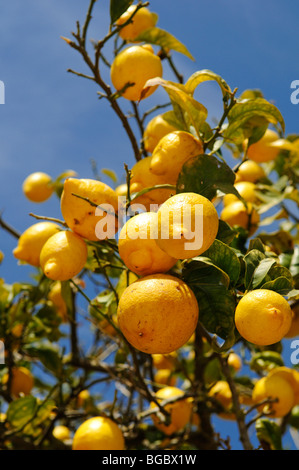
(294, 328)
(135, 66)
(83, 398)
(98, 433)
(172, 151)
(180, 410)
(165, 377)
(246, 190)
(263, 150)
(91, 221)
(250, 171)
(38, 187)
(62, 433)
(263, 317)
(234, 361)
(187, 225)
(164, 361)
(291, 376)
(32, 240)
(158, 313)
(141, 21)
(22, 381)
(55, 296)
(142, 178)
(157, 128)
(236, 214)
(138, 249)
(276, 389)
(122, 189)
(63, 256)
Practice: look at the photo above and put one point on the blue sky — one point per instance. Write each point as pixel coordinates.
(53, 121)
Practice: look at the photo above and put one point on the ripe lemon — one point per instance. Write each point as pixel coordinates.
(180, 410)
(121, 190)
(164, 361)
(165, 377)
(262, 150)
(250, 171)
(291, 376)
(236, 214)
(294, 328)
(234, 361)
(222, 393)
(83, 398)
(98, 433)
(62, 433)
(38, 187)
(158, 313)
(142, 178)
(263, 317)
(63, 256)
(32, 240)
(138, 249)
(88, 221)
(135, 65)
(187, 225)
(172, 151)
(141, 21)
(246, 189)
(22, 381)
(55, 296)
(157, 128)
(274, 388)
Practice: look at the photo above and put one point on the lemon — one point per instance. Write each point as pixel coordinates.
(141, 21)
(98, 433)
(247, 191)
(83, 218)
(274, 388)
(263, 317)
(164, 361)
(187, 225)
(138, 249)
(22, 381)
(63, 256)
(291, 376)
(180, 410)
(82, 398)
(142, 178)
(121, 190)
(55, 296)
(32, 240)
(294, 328)
(135, 65)
(158, 313)
(172, 151)
(165, 377)
(236, 214)
(156, 128)
(234, 361)
(250, 171)
(38, 186)
(263, 150)
(62, 433)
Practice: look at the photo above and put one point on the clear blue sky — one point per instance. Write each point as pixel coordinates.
(53, 121)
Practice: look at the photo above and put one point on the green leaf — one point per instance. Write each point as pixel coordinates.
(261, 271)
(190, 111)
(281, 285)
(225, 258)
(252, 259)
(269, 434)
(203, 76)
(47, 353)
(204, 175)
(117, 8)
(243, 112)
(265, 361)
(20, 411)
(225, 232)
(110, 173)
(216, 302)
(165, 40)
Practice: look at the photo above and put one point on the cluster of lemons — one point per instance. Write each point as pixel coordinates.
(157, 312)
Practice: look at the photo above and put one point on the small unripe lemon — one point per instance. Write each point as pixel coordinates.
(38, 187)
(141, 21)
(135, 66)
(98, 433)
(32, 240)
(63, 256)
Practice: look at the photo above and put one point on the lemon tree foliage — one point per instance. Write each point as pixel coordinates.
(178, 337)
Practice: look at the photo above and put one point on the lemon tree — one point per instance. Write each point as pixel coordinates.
(161, 303)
